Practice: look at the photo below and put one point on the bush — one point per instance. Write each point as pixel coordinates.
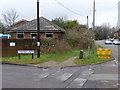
(73, 39)
(78, 39)
(54, 46)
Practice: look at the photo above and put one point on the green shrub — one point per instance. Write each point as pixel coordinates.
(78, 39)
(73, 39)
(54, 46)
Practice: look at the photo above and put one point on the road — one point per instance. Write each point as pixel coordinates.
(115, 49)
(91, 76)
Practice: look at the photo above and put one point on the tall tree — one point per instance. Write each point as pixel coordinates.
(104, 32)
(10, 17)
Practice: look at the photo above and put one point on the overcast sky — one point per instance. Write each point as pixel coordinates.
(106, 10)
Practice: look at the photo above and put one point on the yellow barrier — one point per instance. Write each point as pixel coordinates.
(104, 53)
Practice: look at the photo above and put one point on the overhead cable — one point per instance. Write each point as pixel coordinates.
(67, 8)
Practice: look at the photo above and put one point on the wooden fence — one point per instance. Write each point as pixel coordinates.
(10, 47)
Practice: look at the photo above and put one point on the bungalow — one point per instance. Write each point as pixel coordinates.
(29, 30)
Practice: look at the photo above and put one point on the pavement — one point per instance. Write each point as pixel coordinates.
(69, 62)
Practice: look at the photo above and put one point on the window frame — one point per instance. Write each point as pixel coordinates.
(33, 33)
(49, 33)
(20, 33)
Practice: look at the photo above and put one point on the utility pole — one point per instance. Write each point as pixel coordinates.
(87, 23)
(93, 22)
(38, 31)
(88, 29)
(94, 15)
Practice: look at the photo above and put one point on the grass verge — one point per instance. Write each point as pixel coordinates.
(27, 59)
(58, 57)
(90, 59)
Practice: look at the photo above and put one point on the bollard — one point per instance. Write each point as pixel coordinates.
(81, 54)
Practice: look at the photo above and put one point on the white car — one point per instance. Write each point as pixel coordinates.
(112, 39)
(108, 42)
(116, 42)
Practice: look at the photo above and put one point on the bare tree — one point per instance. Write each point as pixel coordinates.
(2, 28)
(104, 31)
(10, 17)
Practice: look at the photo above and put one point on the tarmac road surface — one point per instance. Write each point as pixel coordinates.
(92, 76)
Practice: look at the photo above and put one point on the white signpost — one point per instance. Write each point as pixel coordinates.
(26, 52)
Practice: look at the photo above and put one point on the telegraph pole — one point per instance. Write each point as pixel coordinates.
(93, 22)
(38, 31)
(87, 23)
(94, 15)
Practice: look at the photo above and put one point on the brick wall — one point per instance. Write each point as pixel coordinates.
(117, 34)
(57, 35)
(13, 35)
(27, 35)
(42, 35)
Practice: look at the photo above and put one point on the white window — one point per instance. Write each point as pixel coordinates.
(49, 35)
(33, 35)
(20, 35)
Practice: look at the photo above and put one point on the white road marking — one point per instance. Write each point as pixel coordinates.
(88, 72)
(77, 83)
(45, 69)
(80, 81)
(41, 76)
(90, 68)
(64, 76)
(116, 61)
(55, 73)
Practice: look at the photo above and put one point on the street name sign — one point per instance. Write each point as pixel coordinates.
(25, 51)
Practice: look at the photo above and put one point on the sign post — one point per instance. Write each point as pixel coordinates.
(26, 52)
(19, 56)
(32, 56)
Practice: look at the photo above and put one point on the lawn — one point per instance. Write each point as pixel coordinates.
(58, 57)
(90, 59)
(27, 59)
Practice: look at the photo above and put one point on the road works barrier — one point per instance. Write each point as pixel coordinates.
(104, 53)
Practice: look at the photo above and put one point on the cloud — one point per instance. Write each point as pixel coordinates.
(106, 10)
